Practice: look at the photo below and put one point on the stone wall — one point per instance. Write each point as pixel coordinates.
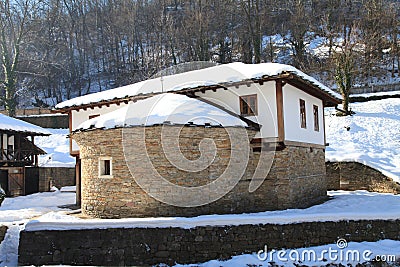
(3, 231)
(356, 176)
(150, 246)
(30, 111)
(296, 179)
(375, 88)
(55, 176)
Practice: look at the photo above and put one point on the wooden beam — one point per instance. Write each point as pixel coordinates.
(70, 131)
(312, 90)
(279, 111)
(78, 180)
(1, 146)
(323, 121)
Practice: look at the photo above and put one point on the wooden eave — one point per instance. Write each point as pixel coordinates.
(310, 88)
(12, 132)
(290, 78)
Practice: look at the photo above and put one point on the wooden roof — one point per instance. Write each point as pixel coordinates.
(290, 78)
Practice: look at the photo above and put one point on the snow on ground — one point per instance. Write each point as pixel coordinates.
(15, 212)
(57, 147)
(22, 213)
(371, 136)
(26, 207)
(355, 252)
(344, 205)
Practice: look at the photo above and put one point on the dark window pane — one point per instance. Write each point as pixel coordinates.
(303, 121)
(107, 167)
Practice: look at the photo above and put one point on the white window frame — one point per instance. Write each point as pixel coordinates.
(101, 167)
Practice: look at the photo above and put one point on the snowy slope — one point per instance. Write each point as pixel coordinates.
(371, 136)
(57, 147)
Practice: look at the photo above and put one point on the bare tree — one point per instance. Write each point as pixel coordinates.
(345, 65)
(15, 17)
(252, 10)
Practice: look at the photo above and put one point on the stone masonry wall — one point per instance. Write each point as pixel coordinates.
(150, 246)
(55, 176)
(296, 179)
(356, 176)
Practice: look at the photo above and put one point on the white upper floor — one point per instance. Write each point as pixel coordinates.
(286, 103)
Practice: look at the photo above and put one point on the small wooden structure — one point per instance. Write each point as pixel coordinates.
(17, 151)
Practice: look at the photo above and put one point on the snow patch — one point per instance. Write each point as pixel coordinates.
(159, 109)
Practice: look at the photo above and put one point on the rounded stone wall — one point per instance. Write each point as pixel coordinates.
(296, 179)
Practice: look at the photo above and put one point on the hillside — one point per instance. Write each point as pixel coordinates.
(371, 136)
(71, 48)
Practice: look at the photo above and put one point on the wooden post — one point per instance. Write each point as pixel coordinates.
(35, 157)
(78, 180)
(323, 122)
(17, 140)
(1, 146)
(279, 111)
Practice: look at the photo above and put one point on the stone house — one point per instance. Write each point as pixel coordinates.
(279, 165)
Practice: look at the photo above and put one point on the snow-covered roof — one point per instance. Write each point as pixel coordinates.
(10, 124)
(221, 74)
(165, 108)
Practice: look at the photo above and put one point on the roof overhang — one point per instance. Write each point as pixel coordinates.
(23, 133)
(290, 78)
(310, 88)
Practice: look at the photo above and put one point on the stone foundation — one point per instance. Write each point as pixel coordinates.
(151, 246)
(296, 179)
(356, 176)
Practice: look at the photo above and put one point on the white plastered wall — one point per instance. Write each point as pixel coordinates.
(266, 103)
(291, 112)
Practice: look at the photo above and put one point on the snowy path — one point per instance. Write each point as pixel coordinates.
(26, 207)
(344, 205)
(16, 212)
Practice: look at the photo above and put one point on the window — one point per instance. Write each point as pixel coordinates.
(105, 167)
(316, 118)
(248, 105)
(303, 121)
